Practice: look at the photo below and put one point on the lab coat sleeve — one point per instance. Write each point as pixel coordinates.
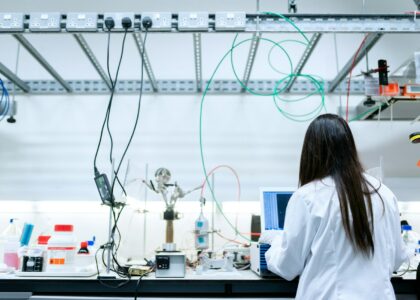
(401, 251)
(289, 251)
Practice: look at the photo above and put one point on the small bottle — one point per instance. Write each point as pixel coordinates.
(409, 240)
(83, 248)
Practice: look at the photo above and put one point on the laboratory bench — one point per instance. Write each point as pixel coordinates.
(239, 284)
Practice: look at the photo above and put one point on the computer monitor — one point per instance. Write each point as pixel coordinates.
(273, 207)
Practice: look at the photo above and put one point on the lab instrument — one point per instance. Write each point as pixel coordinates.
(161, 186)
(201, 229)
(170, 265)
(273, 212)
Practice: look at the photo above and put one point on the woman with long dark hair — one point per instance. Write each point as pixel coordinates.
(342, 228)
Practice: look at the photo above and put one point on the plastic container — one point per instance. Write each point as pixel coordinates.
(61, 250)
(33, 260)
(42, 245)
(11, 244)
(11, 248)
(201, 233)
(392, 89)
(410, 239)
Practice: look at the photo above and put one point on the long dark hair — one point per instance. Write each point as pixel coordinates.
(329, 150)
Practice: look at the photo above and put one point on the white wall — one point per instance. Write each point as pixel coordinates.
(47, 155)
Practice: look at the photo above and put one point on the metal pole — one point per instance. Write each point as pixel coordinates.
(145, 211)
(212, 214)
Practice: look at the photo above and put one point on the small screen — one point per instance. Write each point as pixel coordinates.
(275, 204)
(414, 89)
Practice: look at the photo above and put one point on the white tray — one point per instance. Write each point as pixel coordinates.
(56, 274)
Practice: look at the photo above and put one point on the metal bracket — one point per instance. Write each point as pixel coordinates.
(304, 59)
(370, 41)
(92, 58)
(251, 58)
(292, 6)
(14, 79)
(31, 49)
(176, 87)
(198, 61)
(146, 61)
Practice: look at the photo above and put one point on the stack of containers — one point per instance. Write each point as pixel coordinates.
(61, 249)
(34, 260)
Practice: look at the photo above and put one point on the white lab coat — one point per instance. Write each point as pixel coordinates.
(314, 245)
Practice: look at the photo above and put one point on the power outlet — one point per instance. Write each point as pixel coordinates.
(82, 22)
(118, 18)
(162, 21)
(11, 22)
(230, 21)
(45, 22)
(189, 21)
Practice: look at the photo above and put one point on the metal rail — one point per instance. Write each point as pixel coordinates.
(253, 49)
(176, 87)
(146, 61)
(14, 79)
(304, 59)
(92, 58)
(31, 49)
(370, 41)
(198, 61)
(322, 23)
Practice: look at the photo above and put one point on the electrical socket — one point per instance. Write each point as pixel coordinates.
(117, 19)
(11, 22)
(82, 21)
(188, 21)
(162, 21)
(50, 21)
(230, 21)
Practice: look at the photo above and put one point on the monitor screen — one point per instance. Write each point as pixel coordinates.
(274, 205)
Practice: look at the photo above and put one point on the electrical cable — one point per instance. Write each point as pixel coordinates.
(139, 281)
(113, 85)
(138, 111)
(4, 110)
(319, 86)
(108, 111)
(113, 246)
(203, 186)
(351, 70)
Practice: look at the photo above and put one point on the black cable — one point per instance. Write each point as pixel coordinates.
(108, 111)
(138, 111)
(137, 287)
(113, 246)
(113, 85)
(119, 285)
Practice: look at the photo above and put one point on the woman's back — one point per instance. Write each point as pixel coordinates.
(315, 246)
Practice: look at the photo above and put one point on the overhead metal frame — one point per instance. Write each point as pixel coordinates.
(370, 41)
(198, 61)
(92, 58)
(304, 59)
(175, 87)
(375, 25)
(146, 62)
(31, 49)
(310, 23)
(253, 49)
(14, 79)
